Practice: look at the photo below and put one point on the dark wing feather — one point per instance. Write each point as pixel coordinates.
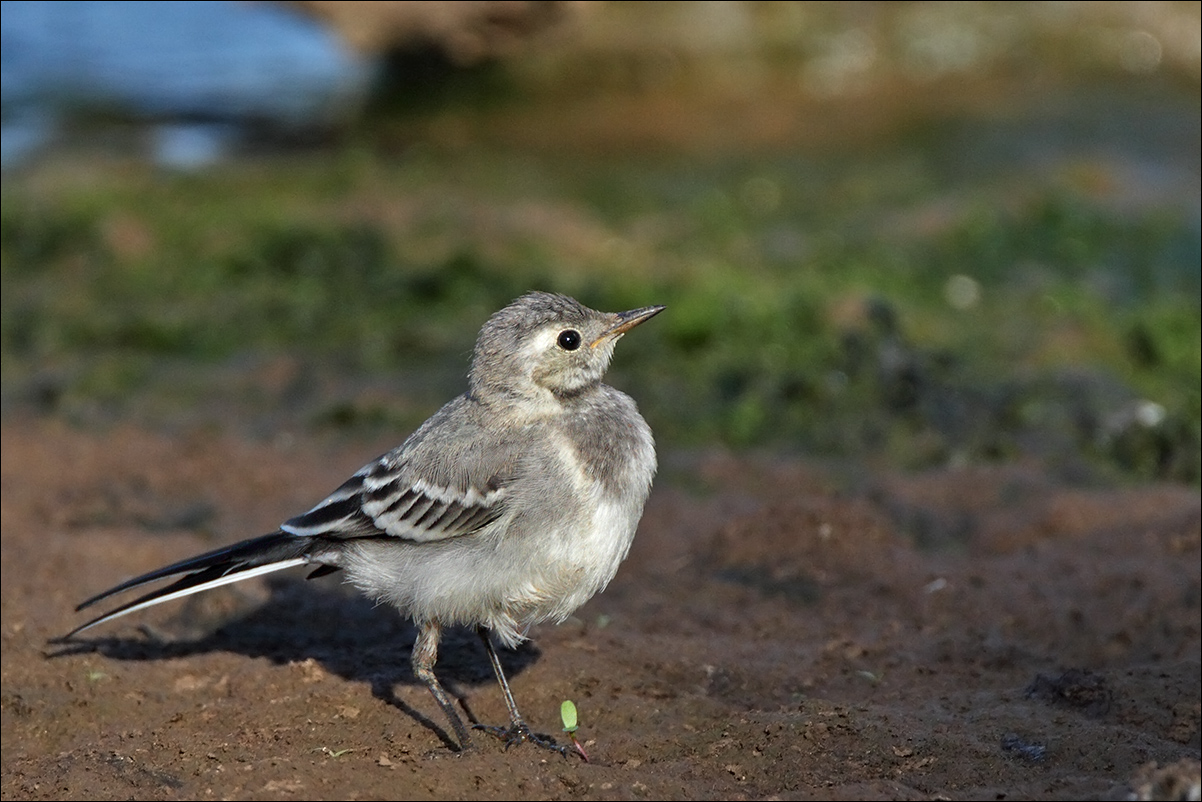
(385, 500)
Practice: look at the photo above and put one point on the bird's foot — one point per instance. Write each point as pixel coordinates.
(518, 731)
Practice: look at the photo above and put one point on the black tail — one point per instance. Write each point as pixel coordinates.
(255, 557)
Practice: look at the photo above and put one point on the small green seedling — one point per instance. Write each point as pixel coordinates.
(567, 712)
(335, 752)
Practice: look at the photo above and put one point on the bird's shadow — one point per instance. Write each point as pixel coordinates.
(346, 633)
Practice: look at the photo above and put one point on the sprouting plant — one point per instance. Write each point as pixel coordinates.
(334, 752)
(567, 711)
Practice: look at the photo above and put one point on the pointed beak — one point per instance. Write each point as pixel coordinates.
(625, 321)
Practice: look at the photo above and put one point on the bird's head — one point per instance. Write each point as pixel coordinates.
(548, 347)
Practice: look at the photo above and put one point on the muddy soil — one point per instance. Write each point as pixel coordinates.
(781, 630)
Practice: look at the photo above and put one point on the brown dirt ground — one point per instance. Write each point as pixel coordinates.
(780, 630)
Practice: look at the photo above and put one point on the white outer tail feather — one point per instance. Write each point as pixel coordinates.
(228, 579)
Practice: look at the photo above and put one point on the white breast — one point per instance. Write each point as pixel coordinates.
(581, 560)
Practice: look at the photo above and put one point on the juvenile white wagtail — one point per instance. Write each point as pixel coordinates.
(511, 505)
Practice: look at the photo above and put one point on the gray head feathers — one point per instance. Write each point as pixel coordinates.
(543, 346)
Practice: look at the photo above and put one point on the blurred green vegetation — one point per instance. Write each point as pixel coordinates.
(841, 307)
(970, 262)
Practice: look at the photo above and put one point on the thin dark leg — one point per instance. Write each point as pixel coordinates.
(425, 652)
(517, 731)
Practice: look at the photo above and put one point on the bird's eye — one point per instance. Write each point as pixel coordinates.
(569, 339)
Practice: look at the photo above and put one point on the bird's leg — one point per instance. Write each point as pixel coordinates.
(517, 731)
(425, 652)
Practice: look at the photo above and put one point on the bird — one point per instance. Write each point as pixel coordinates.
(512, 505)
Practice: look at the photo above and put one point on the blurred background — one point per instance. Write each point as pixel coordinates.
(907, 234)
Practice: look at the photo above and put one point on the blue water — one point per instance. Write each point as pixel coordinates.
(198, 71)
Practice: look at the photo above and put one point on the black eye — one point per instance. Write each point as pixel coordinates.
(569, 339)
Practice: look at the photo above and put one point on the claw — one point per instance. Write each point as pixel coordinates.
(517, 732)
